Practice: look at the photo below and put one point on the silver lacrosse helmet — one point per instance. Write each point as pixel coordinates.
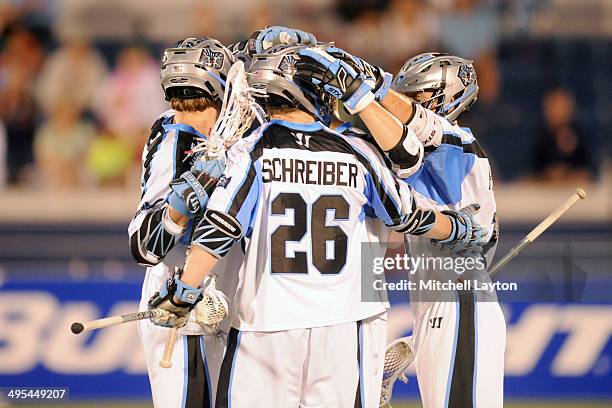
(195, 67)
(451, 79)
(272, 73)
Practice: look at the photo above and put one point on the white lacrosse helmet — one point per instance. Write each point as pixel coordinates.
(194, 68)
(451, 79)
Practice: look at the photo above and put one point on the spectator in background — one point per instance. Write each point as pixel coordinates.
(560, 153)
(3, 154)
(71, 74)
(409, 28)
(131, 98)
(110, 159)
(363, 36)
(61, 145)
(19, 63)
(469, 28)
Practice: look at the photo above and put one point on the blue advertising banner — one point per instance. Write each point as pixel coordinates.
(553, 349)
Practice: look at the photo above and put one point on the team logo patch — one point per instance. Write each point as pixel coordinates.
(212, 59)
(467, 75)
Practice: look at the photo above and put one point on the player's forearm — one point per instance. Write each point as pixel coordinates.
(384, 127)
(198, 265)
(400, 106)
(177, 217)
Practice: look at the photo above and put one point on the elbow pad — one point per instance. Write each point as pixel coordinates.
(216, 233)
(156, 236)
(426, 125)
(406, 157)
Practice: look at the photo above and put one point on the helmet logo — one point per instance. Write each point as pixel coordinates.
(287, 65)
(211, 59)
(466, 74)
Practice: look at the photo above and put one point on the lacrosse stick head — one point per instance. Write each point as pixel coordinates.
(213, 307)
(398, 357)
(236, 117)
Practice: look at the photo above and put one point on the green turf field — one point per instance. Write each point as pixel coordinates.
(512, 404)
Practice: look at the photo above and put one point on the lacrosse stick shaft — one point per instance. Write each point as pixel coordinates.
(77, 327)
(166, 361)
(578, 195)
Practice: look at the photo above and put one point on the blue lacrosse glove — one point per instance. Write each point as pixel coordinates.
(467, 235)
(275, 35)
(261, 40)
(378, 77)
(191, 191)
(171, 312)
(336, 77)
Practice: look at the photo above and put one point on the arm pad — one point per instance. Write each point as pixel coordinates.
(216, 233)
(406, 157)
(155, 237)
(426, 125)
(419, 221)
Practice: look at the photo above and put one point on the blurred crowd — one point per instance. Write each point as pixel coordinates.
(79, 79)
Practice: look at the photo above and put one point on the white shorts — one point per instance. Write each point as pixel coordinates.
(460, 353)
(332, 366)
(192, 379)
(196, 360)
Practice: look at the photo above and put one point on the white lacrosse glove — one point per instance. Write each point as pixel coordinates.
(213, 308)
(399, 354)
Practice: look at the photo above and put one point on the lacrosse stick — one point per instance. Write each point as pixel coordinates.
(578, 195)
(238, 112)
(78, 327)
(398, 357)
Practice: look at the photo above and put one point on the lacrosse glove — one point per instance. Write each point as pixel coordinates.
(467, 234)
(175, 314)
(376, 76)
(191, 191)
(336, 77)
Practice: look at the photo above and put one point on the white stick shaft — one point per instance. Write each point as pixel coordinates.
(166, 361)
(578, 195)
(114, 320)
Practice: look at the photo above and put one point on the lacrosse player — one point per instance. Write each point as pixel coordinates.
(300, 194)
(455, 172)
(459, 344)
(429, 94)
(175, 188)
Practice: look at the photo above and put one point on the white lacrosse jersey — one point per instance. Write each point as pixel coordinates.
(164, 159)
(303, 195)
(455, 174)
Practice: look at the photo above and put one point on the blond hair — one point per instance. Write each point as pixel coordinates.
(191, 104)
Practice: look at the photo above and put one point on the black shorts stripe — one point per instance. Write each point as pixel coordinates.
(462, 382)
(198, 393)
(358, 402)
(225, 374)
